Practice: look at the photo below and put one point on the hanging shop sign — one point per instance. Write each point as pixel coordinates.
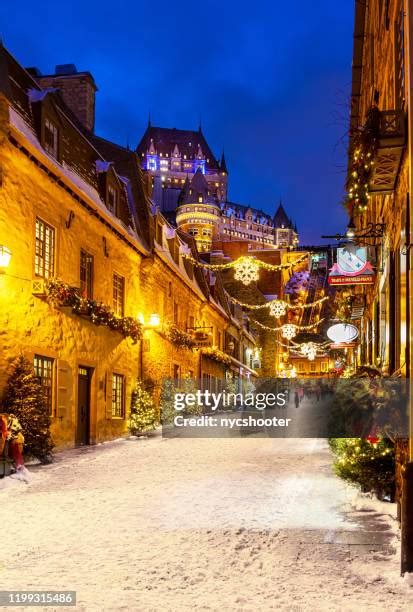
(352, 267)
(343, 345)
(343, 333)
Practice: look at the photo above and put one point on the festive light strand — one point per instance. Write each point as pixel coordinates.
(280, 328)
(244, 261)
(295, 345)
(276, 302)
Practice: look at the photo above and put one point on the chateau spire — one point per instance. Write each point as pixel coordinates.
(280, 218)
(223, 164)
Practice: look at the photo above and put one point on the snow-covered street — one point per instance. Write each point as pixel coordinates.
(203, 524)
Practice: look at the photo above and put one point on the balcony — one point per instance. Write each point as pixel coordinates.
(391, 139)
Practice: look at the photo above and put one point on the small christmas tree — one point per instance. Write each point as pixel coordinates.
(25, 398)
(167, 401)
(368, 463)
(143, 412)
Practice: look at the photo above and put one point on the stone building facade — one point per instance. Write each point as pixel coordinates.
(91, 266)
(379, 187)
(379, 103)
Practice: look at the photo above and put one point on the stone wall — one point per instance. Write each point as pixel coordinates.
(32, 326)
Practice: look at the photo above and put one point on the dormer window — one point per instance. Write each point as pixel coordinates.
(50, 138)
(113, 199)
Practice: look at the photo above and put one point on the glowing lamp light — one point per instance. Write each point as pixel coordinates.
(154, 320)
(289, 331)
(342, 333)
(5, 257)
(351, 230)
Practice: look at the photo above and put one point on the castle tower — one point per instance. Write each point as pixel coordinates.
(198, 213)
(285, 231)
(169, 155)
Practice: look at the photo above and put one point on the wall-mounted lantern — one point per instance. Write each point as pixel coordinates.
(5, 257)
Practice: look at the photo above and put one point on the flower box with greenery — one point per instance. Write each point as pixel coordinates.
(179, 337)
(61, 294)
(214, 353)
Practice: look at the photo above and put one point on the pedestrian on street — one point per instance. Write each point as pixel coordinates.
(296, 399)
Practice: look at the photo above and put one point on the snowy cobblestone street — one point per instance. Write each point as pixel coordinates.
(203, 524)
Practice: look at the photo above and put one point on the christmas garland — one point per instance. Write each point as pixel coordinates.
(180, 338)
(363, 150)
(214, 353)
(61, 294)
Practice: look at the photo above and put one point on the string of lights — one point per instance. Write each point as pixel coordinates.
(297, 346)
(288, 330)
(279, 305)
(246, 260)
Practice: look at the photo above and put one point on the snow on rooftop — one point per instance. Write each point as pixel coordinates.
(37, 95)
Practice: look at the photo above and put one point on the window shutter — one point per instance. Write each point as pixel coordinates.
(64, 389)
(108, 393)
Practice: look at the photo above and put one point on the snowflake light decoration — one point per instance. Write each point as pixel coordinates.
(309, 349)
(247, 270)
(278, 308)
(288, 331)
(312, 353)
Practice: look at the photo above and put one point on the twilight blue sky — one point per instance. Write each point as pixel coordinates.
(271, 81)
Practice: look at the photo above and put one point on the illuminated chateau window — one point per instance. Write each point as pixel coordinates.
(199, 164)
(118, 396)
(43, 368)
(44, 249)
(151, 163)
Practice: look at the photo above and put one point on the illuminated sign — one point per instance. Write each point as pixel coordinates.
(342, 333)
(352, 267)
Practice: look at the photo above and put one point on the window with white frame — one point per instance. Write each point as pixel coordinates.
(44, 249)
(118, 294)
(118, 396)
(43, 369)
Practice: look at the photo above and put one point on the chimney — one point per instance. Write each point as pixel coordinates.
(77, 89)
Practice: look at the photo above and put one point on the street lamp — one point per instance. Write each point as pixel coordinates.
(351, 229)
(5, 257)
(154, 321)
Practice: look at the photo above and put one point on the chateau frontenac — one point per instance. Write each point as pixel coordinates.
(190, 187)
